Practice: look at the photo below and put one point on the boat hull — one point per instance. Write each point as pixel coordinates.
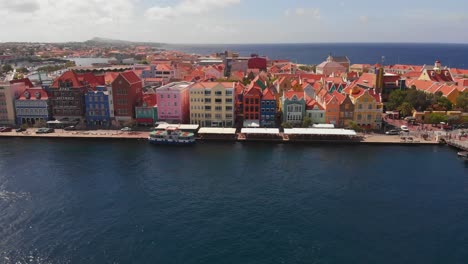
(172, 142)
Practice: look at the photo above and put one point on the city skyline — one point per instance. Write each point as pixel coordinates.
(233, 21)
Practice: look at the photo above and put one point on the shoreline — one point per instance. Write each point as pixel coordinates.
(375, 139)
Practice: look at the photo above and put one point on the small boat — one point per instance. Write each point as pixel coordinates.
(463, 155)
(171, 136)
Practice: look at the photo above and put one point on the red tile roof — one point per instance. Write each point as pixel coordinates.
(367, 80)
(442, 76)
(131, 77)
(268, 95)
(291, 93)
(26, 81)
(32, 92)
(311, 104)
(150, 99)
(68, 76)
(341, 97)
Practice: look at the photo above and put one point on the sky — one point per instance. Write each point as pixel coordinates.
(235, 21)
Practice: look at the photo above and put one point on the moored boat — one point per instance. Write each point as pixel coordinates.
(171, 136)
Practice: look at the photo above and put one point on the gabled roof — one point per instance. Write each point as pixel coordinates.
(291, 93)
(447, 89)
(311, 104)
(26, 81)
(32, 94)
(68, 76)
(130, 77)
(441, 76)
(109, 77)
(268, 95)
(341, 97)
(367, 80)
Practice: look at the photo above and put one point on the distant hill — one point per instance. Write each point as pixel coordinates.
(106, 41)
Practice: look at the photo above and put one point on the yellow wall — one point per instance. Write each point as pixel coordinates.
(361, 109)
(198, 102)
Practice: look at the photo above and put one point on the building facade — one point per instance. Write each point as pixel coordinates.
(294, 109)
(268, 109)
(212, 104)
(147, 113)
(7, 110)
(174, 102)
(315, 112)
(346, 111)
(127, 93)
(368, 108)
(98, 107)
(67, 94)
(252, 97)
(33, 107)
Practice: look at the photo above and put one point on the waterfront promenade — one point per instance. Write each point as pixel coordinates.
(370, 139)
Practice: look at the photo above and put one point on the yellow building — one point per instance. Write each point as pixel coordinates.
(212, 104)
(368, 108)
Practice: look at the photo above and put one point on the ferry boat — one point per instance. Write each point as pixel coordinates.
(171, 136)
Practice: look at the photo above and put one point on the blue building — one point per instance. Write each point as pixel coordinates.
(33, 107)
(268, 109)
(98, 107)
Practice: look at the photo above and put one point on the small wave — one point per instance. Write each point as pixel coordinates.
(13, 196)
(32, 257)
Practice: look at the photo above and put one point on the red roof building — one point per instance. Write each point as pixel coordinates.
(127, 94)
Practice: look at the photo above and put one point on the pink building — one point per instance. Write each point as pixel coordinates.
(174, 102)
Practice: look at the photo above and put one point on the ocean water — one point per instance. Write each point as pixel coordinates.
(67, 201)
(452, 55)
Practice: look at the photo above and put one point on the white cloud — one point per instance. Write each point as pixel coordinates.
(22, 6)
(313, 13)
(187, 7)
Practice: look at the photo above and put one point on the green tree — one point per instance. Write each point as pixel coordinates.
(396, 98)
(307, 122)
(7, 68)
(354, 126)
(406, 109)
(436, 118)
(286, 125)
(444, 103)
(462, 101)
(307, 68)
(22, 70)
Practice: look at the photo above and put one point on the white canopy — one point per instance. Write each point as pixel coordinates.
(320, 131)
(179, 126)
(217, 130)
(323, 126)
(262, 131)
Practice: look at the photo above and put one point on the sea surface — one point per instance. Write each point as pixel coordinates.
(452, 55)
(72, 201)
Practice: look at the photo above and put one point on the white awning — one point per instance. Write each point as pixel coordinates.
(179, 126)
(323, 126)
(217, 130)
(262, 131)
(320, 131)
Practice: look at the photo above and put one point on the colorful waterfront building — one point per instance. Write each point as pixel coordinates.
(147, 113)
(7, 109)
(126, 95)
(98, 110)
(252, 97)
(268, 109)
(212, 104)
(33, 106)
(294, 107)
(346, 110)
(67, 92)
(174, 102)
(368, 107)
(315, 112)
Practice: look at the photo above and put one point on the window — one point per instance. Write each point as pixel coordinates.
(219, 101)
(229, 92)
(218, 93)
(229, 100)
(360, 106)
(369, 117)
(175, 103)
(359, 117)
(208, 100)
(218, 108)
(207, 107)
(228, 108)
(207, 92)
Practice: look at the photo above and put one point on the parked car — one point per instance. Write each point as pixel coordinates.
(45, 130)
(126, 129)
(69, 128)
(404, 128)
(18, 130)
(392, 132)
(5, 129)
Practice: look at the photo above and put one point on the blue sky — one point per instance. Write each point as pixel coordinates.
(236, 21)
